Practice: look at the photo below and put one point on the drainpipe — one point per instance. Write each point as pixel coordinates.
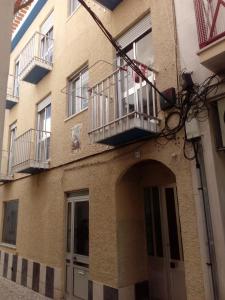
(202, 187)
(6, 17)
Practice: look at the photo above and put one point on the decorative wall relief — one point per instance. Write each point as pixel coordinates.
(76, 132)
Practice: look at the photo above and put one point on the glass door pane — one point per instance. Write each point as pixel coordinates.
(16, 81)
(144, 50)
(172, 224)
(43, 136)
(81, 228)
(11, 149)
(68, 244)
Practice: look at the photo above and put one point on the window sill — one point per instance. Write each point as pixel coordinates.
(2, 244)
(74, 115)
(70, 16)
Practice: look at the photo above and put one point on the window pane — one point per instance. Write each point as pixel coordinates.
(84, 89)
(81, 230)
(144, 50)
(172, 224)
(78, 93)
(48, 119)
(73, 5)
(10, 222)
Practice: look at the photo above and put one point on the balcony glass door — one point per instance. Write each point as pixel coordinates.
(47, 46)
(16, 80)
(12, 139)
(133, 94)
(47, 39)
(43, 134)
(77, 257)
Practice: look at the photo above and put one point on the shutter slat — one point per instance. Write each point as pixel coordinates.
(136, 31)
(47, 25)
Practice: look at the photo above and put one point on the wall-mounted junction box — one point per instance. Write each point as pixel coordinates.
(192, 129)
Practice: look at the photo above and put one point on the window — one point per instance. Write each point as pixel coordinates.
(10, 222)
(16, 80)
(44, 129)
(137, 42)
(47, 39)
(73, 4)
(78, 92)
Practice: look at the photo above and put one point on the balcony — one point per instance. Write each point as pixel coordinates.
(5, 170)
(12, 96)
(31, 152)
(36, 58)
(210, 18)
(110, 4)
(123, 108)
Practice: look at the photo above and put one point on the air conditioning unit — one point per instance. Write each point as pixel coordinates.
(221, 112)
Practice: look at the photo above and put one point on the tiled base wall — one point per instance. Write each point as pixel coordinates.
(47, 281)
(33, 275)
(138, 291)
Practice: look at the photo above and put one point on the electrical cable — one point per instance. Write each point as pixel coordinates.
(120, 51)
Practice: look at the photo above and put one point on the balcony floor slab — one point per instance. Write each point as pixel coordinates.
(35, 71)
(122, 134)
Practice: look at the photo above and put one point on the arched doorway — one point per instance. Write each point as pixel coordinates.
(150, 248)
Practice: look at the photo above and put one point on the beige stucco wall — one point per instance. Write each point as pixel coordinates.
(41, 221)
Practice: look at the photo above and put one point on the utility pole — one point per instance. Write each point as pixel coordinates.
(6, 17)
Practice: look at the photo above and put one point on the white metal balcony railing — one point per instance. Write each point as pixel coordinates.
(12, 96)
(6, 171)
(36, 58)
(123, 107)
(31, 152)
(210, 17)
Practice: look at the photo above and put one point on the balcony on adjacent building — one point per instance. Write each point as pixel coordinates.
(12, 96)
(110, 4)
(123, 108)
(5, 167)
(31, 152)
(36, 58)
(210, 18)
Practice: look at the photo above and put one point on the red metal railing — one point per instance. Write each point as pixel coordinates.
(210, 17)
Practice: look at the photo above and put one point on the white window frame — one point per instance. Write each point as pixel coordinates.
(79, 97)
(72, 6)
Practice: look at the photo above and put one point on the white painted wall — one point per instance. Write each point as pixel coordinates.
(6, 16)
(215, 165)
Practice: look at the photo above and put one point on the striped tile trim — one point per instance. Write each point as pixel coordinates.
(138, 291)
(42, 279)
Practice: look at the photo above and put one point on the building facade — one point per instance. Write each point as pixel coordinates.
(94, 205)
(200, 28)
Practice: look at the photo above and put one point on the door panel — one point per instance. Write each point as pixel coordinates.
(154, 238)
(80, 283)
(77, 245)
(164, 244)
(176, 263)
